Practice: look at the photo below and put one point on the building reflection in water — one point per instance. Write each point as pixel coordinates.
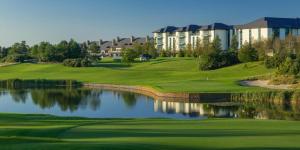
(195, 109)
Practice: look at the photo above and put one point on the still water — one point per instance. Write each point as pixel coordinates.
(97, 103)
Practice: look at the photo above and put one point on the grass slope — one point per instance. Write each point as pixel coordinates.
(164, 74)
(49, 132)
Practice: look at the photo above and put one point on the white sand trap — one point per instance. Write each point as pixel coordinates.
(264, 84)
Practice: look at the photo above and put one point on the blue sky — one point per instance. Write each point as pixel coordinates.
(55, 20)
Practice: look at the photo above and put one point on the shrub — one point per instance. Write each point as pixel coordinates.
(77, 62)
(16, 58)
(247, 54)
(181, 53)
(85, 62)
(283, 79)
(164, 53)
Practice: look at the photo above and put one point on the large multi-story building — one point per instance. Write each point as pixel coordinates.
(177, 38)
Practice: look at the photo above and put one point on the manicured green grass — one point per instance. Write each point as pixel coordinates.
(49, 132)
(164, 74)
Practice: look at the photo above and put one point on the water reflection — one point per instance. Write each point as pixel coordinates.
(109, 103)
(67, 100)
(195, 109)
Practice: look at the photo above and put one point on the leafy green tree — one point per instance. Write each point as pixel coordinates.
(198, 49)
(3, 52)
(94, 47)
(261, 49)
(74, 50)
(44, 52)
(188, 50)
(216, 46)
(151, 50)
(62, 49)
(18, 52)
(290, 44)
(129, 55)
(140, 49)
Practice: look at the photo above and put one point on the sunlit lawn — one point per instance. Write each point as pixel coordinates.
(48, 132)
(164, 74)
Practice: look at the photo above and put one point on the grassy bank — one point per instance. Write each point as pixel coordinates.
(164, 74)
(49, 132)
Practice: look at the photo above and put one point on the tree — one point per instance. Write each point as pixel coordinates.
(188, 50)
(209, 58)
(234, 44)
(247, 53)
(74, 50)
(151, 50)
(94, 48)
(260, 48)
(18, 52)
(139, 48)
(3, 52)
(216, 46)
(128, 55)
(198, 49)
(278, 47)
(290, 43)
(44, 52)
(62, 49)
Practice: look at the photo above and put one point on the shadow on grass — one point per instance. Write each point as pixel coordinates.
(158, 61)
(123, 146)
(112, 65)
(178, 133)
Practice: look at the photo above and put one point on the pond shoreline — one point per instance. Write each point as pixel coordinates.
(167, 96)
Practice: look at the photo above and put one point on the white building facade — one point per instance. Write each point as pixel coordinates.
(177, 38)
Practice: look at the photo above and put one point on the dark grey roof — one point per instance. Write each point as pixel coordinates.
(271, 22)
(192, 28)
(105, 45)
(216, 26)
(166, 29)
(123, 42)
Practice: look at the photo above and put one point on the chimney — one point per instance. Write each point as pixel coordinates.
(132, 39)
(114, 42)
(100, 42)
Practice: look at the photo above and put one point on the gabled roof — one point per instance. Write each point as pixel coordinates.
(191, 28)
(166, 29)
(216, 26)
(272, 22)
(123, 42)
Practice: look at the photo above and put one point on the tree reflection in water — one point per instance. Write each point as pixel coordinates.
(66, 99)
(260, 105)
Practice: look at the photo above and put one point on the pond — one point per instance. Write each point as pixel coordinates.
(100, 103)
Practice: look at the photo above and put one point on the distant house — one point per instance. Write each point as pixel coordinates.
(113, 48)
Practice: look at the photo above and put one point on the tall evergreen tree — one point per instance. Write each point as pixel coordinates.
(234, 44)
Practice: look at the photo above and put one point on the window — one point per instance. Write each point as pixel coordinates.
(241, 37)
(250, 36)
(173, 43)
(276, 32)
(287, 31)
(259, 34)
